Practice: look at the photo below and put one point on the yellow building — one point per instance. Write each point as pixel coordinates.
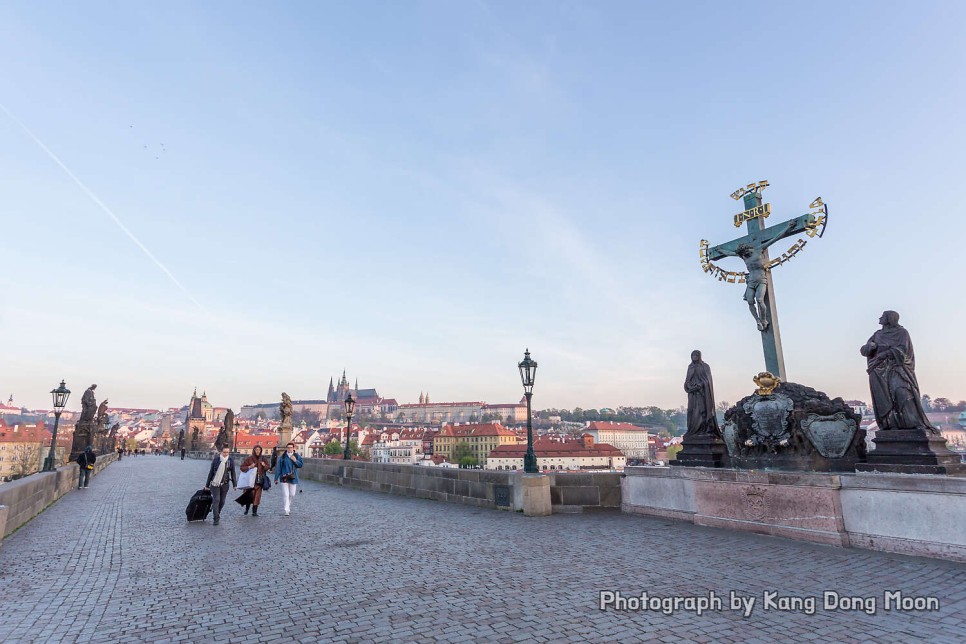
(481, 438)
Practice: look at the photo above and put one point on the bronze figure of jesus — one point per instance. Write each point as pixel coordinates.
(753, 254)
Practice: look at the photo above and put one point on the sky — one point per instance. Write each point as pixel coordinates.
(250, 197)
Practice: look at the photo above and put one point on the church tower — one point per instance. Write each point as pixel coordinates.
(330, 396)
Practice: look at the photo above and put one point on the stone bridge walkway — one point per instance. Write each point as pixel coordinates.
(118, 562)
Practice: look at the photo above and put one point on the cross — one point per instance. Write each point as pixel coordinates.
(753, 249)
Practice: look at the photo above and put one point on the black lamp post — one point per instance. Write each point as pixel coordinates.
(350, 404)
(528, 369)
(60, 396)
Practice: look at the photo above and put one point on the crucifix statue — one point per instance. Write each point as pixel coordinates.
(753, 250)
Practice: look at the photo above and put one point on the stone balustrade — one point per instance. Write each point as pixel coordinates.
(23, 499)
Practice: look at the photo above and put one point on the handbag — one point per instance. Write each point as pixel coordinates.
(266, 482)
(288, 478)
(247, 479)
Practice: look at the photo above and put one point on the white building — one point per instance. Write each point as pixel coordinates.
(559, 454)
(404, 447)
(632, 440)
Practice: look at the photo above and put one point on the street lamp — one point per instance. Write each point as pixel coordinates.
(60, 396)
(350, 404)
(528, 369)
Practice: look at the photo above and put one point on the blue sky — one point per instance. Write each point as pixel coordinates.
(417, 191)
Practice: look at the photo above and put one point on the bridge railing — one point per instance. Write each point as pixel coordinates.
(23, 499)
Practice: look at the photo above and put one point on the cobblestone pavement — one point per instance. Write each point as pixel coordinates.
(118, 562)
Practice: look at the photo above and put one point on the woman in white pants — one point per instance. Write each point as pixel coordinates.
(287, 475)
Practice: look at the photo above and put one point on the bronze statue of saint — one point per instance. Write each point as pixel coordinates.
(702, 417)
(100, 419)
(88, 405)
(892, 377)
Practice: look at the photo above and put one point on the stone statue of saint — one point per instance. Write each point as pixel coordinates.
(88, 405)
(756, 284)
(285, 410)
(892, 377)
(702, 418)
(181, 438)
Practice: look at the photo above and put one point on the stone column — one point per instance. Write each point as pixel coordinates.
(536, 495)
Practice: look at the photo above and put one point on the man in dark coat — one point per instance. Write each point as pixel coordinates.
(85, 462)
(702, 417)
(892, 377)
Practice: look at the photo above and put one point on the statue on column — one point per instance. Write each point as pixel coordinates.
(891, 364)
(285, 428)
(702, 443)
(86, 425)
(702, 416)
(226, 434)
(88, 405)
(906, 441)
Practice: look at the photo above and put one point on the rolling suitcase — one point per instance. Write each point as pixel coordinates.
(199, 506)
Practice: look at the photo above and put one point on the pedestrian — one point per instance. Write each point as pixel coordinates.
(183, 450)
(86, 464)
(257, 461)
(120, 453)
(220, 474)
(287, 471)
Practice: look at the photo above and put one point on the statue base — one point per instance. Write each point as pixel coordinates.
(912, 451)
(793, 427)
(702, 450)
(83, 436)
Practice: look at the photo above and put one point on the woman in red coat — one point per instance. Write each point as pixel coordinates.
(261, 465)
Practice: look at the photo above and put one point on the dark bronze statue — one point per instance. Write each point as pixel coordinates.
(226, 435)
(757, 280)
(892, 377)
(702, 417)
(100, 419)
(88, 405)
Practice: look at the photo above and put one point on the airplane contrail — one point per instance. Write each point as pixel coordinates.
(103, 206)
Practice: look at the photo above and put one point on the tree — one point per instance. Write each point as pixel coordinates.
(463, 455)
(926, 402)
(332, 447)
(941, 404)
(672, 451)
(26, 459)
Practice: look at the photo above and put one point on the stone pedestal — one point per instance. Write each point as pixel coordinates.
(912, 451)
(703, 450)
(83, 435)
(536, 495)
(284, 435)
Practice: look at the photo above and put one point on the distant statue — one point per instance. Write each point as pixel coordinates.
(194, 440)
(181, 438)
(88, 405)
(756, 283)
(227, 432)
(702, 418)
(100, 419)
(285, 410)
(892, 378)
(113, 433)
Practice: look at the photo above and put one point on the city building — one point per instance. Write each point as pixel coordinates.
(481, 438)
(24, 446)
(559, 454)
(631, 440)
(402, 446)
